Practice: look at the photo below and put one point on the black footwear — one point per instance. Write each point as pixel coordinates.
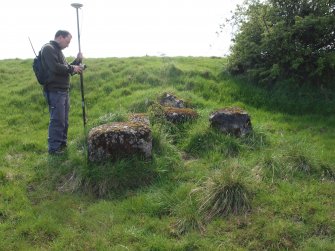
(63, 146)
(57, 152)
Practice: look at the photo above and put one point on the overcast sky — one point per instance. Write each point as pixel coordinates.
(118, 28)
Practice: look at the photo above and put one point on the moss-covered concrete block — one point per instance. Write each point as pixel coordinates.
(232, 120)
(169, 100)
(179, 115)
(119, 139)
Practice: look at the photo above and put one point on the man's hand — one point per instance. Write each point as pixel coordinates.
(77, 69)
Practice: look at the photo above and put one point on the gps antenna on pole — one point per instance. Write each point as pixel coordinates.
(78, 6)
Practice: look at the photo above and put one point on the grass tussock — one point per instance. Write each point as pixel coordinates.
(294, 162)
(223, 194)
(188, 218)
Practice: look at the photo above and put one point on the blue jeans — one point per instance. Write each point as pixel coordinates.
(59, 105)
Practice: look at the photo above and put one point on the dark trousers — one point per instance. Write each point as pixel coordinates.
(59, 105)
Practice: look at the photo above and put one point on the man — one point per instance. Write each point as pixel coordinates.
(56, 89)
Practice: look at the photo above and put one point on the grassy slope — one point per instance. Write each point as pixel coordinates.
(287, 164)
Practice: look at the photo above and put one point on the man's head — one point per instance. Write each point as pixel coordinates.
(63, 38)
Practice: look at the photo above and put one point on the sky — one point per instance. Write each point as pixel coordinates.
(122, 28)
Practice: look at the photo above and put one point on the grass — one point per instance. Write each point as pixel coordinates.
(202, 190)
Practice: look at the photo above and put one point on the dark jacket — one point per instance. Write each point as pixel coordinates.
(58, 69)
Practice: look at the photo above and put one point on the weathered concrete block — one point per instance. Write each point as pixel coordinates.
(232, 121)
(171, 101)
(178, 115)
(119, 139)
(139, 118)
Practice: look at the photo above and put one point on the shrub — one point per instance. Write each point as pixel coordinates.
(287, 39)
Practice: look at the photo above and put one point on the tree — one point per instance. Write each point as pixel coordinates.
(285, 39)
